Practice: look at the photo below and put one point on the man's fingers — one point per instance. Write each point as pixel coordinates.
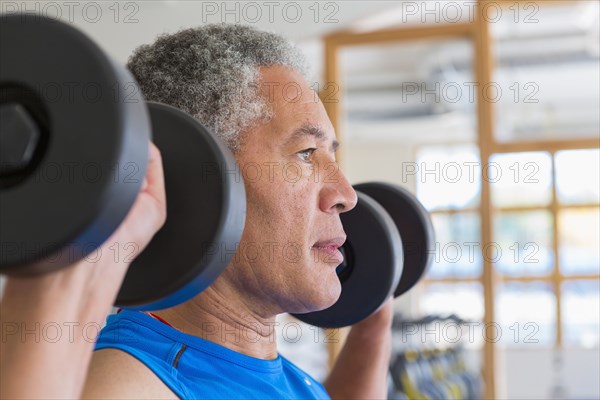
(155, 177)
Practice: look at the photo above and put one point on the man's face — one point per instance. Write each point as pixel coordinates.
(295, 194)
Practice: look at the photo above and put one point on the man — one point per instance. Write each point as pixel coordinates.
(249, 88)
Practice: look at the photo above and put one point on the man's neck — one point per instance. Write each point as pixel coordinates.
(215, 315)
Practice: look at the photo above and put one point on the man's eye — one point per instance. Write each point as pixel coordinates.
(305, 155)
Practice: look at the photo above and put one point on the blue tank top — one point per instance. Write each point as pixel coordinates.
(196, 368)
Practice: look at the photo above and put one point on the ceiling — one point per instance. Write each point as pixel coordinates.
(140, 22)
(559, 53)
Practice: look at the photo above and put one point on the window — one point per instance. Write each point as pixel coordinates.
(526, 314)
(581, 313)
(578, 176)
(520, 179)
(539, 132)
(522, 243)
(456, 248)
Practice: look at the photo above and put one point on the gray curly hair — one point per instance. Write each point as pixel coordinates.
(211, 72)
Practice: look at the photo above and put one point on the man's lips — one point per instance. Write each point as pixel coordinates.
(329, 249)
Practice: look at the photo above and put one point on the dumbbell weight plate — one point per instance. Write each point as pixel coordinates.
(414, 225)
(90, 160)
(206, 211)
(371, 269)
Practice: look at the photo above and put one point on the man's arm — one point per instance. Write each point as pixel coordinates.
(114, 374)
(50, 322)
(361, 369)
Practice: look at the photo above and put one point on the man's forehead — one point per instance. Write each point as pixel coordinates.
(308, 129)
(292, 98)
(283, 87)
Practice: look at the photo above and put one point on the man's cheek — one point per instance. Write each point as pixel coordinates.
(281, 172)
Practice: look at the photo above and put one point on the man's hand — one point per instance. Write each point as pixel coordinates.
(73, 302)
(361, 369)
(149, 211)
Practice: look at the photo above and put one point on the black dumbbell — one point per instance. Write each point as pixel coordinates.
(53, 214)
(388, 249)
(206, 212)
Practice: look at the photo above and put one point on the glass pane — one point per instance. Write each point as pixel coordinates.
(414, 83)
(464, 300)
(579, 240)
(580, 308)
(520, 179)
(526, 313)
(399, 97)
(578, 176)
(457, 252)
(448, 177)
(522, 243)
(546, 84)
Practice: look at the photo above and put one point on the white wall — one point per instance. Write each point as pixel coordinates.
(377, 161)
(121, 26)
(535, 374)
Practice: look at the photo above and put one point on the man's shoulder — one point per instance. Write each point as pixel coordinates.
(116, 374)
(133, 359)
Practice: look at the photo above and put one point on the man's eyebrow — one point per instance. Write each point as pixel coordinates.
(311, 130)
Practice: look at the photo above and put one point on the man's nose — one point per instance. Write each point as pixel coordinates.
(337, 193)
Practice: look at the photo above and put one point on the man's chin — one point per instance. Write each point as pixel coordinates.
(323, 299)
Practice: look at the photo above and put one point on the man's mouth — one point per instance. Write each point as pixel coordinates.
(328, 250)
